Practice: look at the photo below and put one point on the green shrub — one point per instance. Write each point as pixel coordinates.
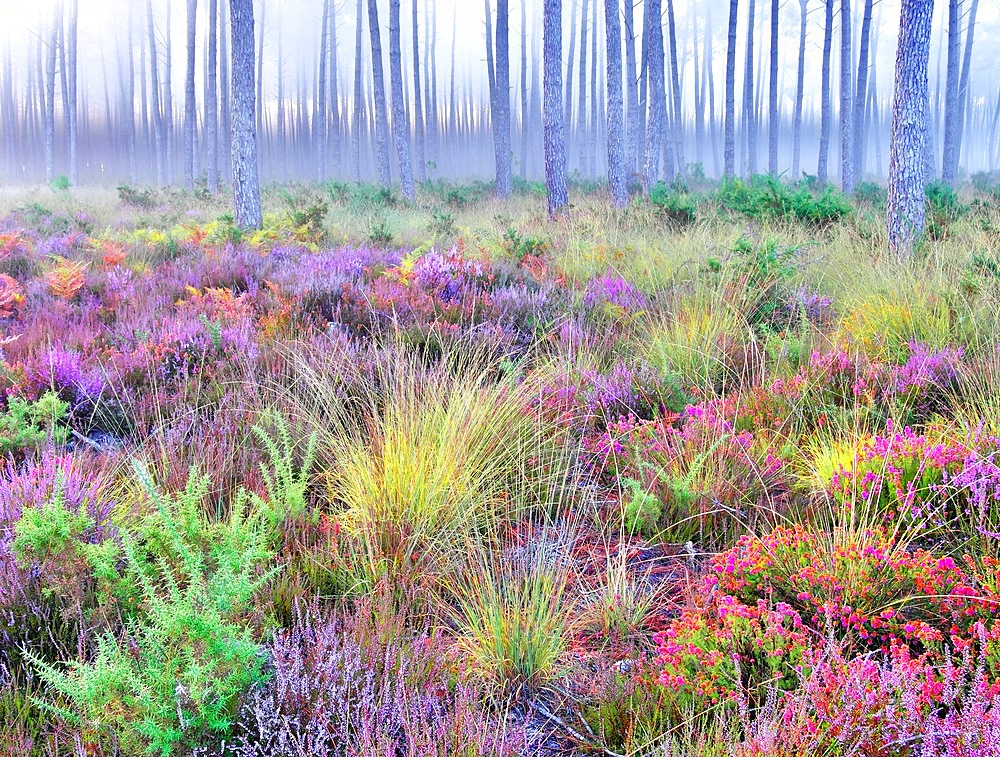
(174, 679)
(520, 245)
(28, 424)
(379, 233)
(673, 204)
(145, 199)
(943, 209)
(764, 197)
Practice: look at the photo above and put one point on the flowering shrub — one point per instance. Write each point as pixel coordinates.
(713, 655)
(867, 589)
(703, 481)
(895, 704)
(363, 683)
(590, 399)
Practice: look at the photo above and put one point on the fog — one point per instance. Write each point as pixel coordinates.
(116, 102)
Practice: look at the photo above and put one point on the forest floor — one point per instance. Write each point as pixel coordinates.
(711, 475)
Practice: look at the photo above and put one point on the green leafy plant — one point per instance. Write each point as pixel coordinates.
(28, 424)
(379, 233)
(174, 679)
(672, 204)
(144, 199)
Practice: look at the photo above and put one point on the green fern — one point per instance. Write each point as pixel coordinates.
(285, 482)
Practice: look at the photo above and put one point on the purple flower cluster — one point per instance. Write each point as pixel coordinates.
(613, 290)
(348, 684)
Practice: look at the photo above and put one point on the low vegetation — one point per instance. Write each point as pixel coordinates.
(712, 476)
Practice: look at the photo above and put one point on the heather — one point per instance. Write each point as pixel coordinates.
(708, 477)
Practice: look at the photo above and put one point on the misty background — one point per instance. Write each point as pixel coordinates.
(307, 134)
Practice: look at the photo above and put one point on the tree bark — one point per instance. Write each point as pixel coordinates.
(729, 139)
(50, 93)
(800, 79)
(556, 187)
(907, 134)
(71, 117)
(581, 97)
(225, 112)
(963, 84)
(359, 92)
(400, 127)
(617, 179)
(190, 117)
(861, 91)
(657, 95)
(826, 117)
(211, 102)
(418, 101)
(319, 119)
(501, 104)
(568, 102)
(952, 117)
(381, 117)
(678, 127)
(772, 103)
(592, 131)
(749, 119)
(846, 100)
(334, 125)
(167, 119)
(631, 91)
(159, 137)
(246, 182)
(525, 105)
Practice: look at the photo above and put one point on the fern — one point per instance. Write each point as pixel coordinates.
(284, 482)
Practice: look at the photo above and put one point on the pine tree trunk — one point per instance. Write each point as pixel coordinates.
(246, 183)
(729, 139)
(749, 119)
(581, 96)
(631, 92)
(525, 105)
(190, 117)
(861, 91)
(359, 92)
(963, 84)
(617, 179)
(400, 126)
(678, 130)
(490, 68)
(381, 117)
(568, 101)
(167, 118)
(418, 101)
(712, 125)
(50, 95)
(554, 136)
(846, 100)
(655, 125)
(907, 134)
(319, 119)
(772, 103)
(225, 112)
(501, 104)
(952, 117)
(800, 80)
(826, 117)
(158, 131)
(334, 125)
(211, 102)
(592, 131)
(71, 92)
